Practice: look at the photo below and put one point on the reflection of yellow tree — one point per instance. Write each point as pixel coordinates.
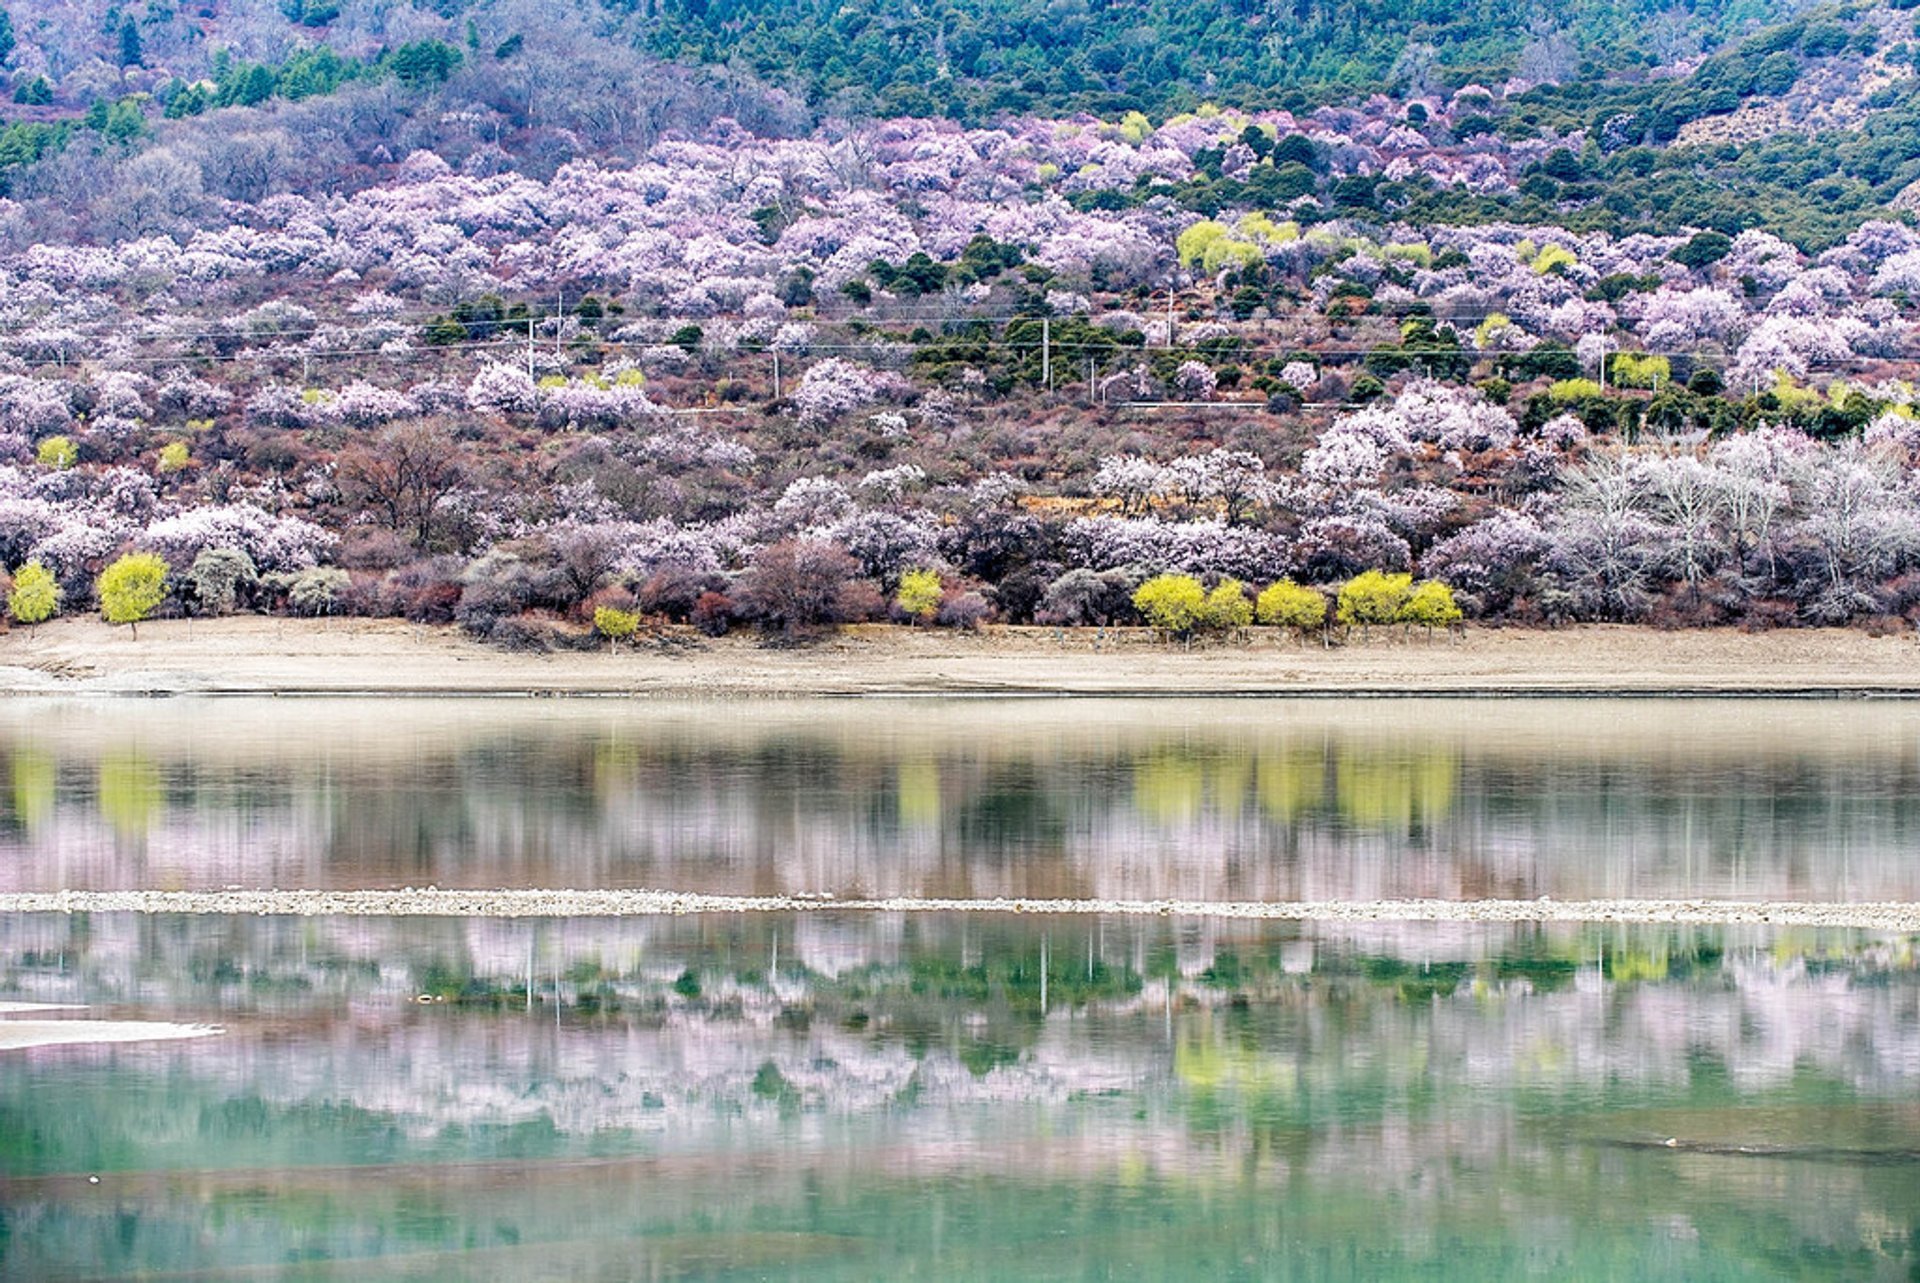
(1627, 965)
(918, 791)
(130, 793)
(1205, 1061)
(33, 786)
(1173, 787)
(1790, 945)
(1229, 779)
(1391, 791)
(1229, 1082)
(1169, 787)
(616, 764)
(1289, 783)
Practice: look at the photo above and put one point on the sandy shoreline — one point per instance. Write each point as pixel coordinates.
(384, 657)
(1897, 916)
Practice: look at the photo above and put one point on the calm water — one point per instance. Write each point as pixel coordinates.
(872, 1098)
(1193, 799)
(825, 1096)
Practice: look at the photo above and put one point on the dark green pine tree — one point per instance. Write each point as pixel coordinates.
(6, 35)
(131, 54)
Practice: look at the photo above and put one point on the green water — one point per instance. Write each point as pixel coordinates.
(853, 1098)
(833, 1096)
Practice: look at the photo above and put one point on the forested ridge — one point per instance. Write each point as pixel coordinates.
(1712, 115)
(972, 58)
(491, 313)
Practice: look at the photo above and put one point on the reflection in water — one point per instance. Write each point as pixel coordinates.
(1252, 799)
(852, 1097)
(33, 788)
(129, 794)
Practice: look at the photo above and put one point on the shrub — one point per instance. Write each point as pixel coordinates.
(860, 601)
(919, 594)
(1704, 250)
(612, 595)
(1706, 381)
(1373, 597)
(1171, 603)
(1286, 604)
(674, 590)
(1431, 605)
(372, 548)
(1017, 596)
(799, 584)
(1227, 606)
(220, 576)
(1566, 391)
(431, 603)
(712, 614)
(500, 583)
(317, 591)
(1086, 597)
(965, 610)
(423, 592)
(1365, 388)
(518, 633)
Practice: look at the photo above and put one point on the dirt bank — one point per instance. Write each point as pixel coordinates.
(254, 655)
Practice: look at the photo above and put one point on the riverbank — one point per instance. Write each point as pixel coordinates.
(386, 657)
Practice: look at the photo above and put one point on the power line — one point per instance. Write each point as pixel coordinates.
(506, 322)
(1118, 351)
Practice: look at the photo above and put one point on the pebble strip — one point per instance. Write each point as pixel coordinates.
(432, 901)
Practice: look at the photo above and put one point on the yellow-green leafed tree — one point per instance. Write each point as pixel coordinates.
(58, 453)
(36, 595)
(1288, 605)
(1567, 391)
(1373, 597)
(1135, 127)
(174, 456)
(1431, 605)
(132, 588)
(1227, 606)
(1171, 603)
(919, 594)
(1638, 370)
(614, 624)
(1211, 246)
(1192, 243)
(1553, 258)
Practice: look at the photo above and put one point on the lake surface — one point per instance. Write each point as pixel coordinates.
(1192, 799)
(808, 1096)
(842, 1096)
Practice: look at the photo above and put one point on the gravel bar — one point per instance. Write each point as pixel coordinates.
(434, 902)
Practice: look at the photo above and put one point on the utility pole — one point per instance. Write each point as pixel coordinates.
(776, 374)
(530, 377)
(1046, 352)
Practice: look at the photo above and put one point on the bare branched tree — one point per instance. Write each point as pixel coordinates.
(403, 474)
